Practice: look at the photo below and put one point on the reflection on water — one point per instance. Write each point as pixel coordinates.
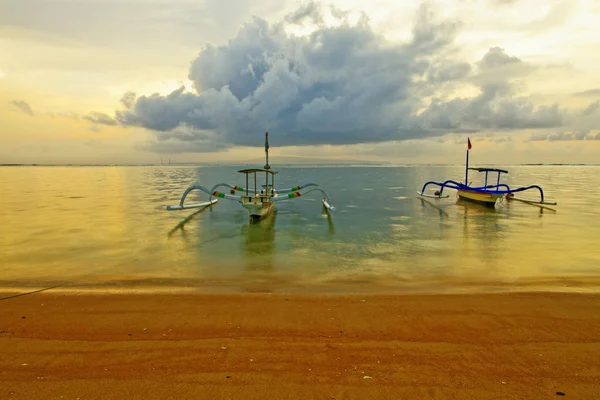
(329, 219)
(181, 225)
(259, 243)
(89, 225)
(432, 204)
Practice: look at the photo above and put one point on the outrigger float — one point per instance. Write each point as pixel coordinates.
(487, 194)
(259, 201)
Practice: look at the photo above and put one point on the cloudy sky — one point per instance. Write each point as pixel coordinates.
(131, 81)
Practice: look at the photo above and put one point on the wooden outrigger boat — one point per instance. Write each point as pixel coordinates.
(488, 194)
(259, 201)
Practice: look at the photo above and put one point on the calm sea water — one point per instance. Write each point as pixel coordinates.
(106, 227)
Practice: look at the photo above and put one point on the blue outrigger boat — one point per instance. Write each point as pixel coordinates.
(487, 194)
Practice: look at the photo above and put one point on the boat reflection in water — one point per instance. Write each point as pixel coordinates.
(259, 243)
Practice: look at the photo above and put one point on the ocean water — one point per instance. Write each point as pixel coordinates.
(106, 228)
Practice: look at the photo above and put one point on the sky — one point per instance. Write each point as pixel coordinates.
(134, 81)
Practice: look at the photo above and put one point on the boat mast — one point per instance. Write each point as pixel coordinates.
(267, 150)
(467, 163)
(267, 167)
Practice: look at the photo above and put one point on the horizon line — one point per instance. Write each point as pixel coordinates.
(365, 163)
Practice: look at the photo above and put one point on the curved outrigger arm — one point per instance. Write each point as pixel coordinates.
(211, 201)
(459, 186)
(440, 194)
(542, 201)
(235, 188)
(296, 188)
(296, 194)
(243, 189)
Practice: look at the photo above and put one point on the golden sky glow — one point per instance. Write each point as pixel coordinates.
(64, 61)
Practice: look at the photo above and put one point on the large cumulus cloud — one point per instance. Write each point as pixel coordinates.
(342, 84)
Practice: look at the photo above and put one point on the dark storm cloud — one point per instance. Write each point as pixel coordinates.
(182, 140)
(128, 99)
(496, 107)
(448, 72)
(100, 118)
(564, 136)
(591, 92)
(489, 110)
(339, 85)
(309, 11)
(496, 58)
(23, 106)
(591, 109)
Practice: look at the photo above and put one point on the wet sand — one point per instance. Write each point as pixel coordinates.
(277, 346)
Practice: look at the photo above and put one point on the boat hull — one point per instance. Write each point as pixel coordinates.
(257, 210)
(486, 198)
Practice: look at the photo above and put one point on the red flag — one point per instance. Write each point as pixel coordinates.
(468, 144)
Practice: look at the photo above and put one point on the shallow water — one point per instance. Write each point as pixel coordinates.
(106, 227)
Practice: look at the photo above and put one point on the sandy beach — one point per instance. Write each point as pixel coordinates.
(256, 346)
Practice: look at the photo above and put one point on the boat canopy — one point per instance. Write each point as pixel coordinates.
(490, 170)
(253, 170)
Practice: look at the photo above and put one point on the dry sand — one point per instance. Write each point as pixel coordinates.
(275, 346)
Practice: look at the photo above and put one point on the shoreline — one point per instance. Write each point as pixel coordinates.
(332, 346)
(246, 284)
